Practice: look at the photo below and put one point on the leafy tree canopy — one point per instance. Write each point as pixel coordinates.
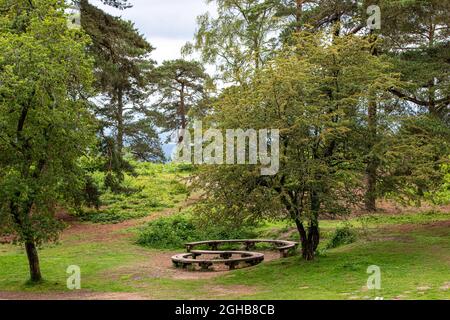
(314, 94)
(45, 125)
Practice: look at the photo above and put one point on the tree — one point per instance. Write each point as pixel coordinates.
(241, 39)
(314, 94)
(413, 166)
(314, 15)
(420, 54)
(119, 4)
(246, 29)
(179, 86)
(419, 51)
(45, 125)
(123, 67)
(343, 18)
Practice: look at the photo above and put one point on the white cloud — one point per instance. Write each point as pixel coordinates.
(166, 48)
(167, 24)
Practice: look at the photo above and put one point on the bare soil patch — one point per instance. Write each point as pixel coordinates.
(438, 227)
(236, 290)
(73, 295)
(159, 265)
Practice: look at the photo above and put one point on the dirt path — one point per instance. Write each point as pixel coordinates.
(89, 232)
(74, 295)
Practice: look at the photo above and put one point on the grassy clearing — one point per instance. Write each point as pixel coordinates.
(412, 251)
(414, 261)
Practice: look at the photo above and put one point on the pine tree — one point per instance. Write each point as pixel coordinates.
(123, 68)
(179, 87)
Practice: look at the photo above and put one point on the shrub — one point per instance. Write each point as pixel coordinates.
(177, 188)
(342, 236)
(442, 197)
(173, 232)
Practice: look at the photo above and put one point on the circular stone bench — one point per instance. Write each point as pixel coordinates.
(193, 258)
(283, 246)
(186, 260)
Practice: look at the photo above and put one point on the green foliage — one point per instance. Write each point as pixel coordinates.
(120, 4)
(241, 39)
(313, 94)
(89, 196)
(415, 161)
(154, 187)
(122, 70)
(342, 236)
(442, 195)
(174, 231)
(45, 125)
(182, 91)
(168, 232)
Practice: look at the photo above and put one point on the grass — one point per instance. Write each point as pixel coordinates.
(158, 187)
(415, 269)
(414, 261)
(94, 258)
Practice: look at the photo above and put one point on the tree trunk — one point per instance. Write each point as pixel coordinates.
(372, 165)
(314, 237)
(120, 124)
(371, 188)
(309, 241)
(313, 230)
(30, 247)
(307, 251)
(182, 113)
(370, 196)
(298, 15)
(33, 260)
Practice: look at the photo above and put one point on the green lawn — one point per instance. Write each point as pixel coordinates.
(413, 266)
(414, 261)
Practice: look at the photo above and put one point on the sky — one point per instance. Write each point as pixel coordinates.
(166, 24)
